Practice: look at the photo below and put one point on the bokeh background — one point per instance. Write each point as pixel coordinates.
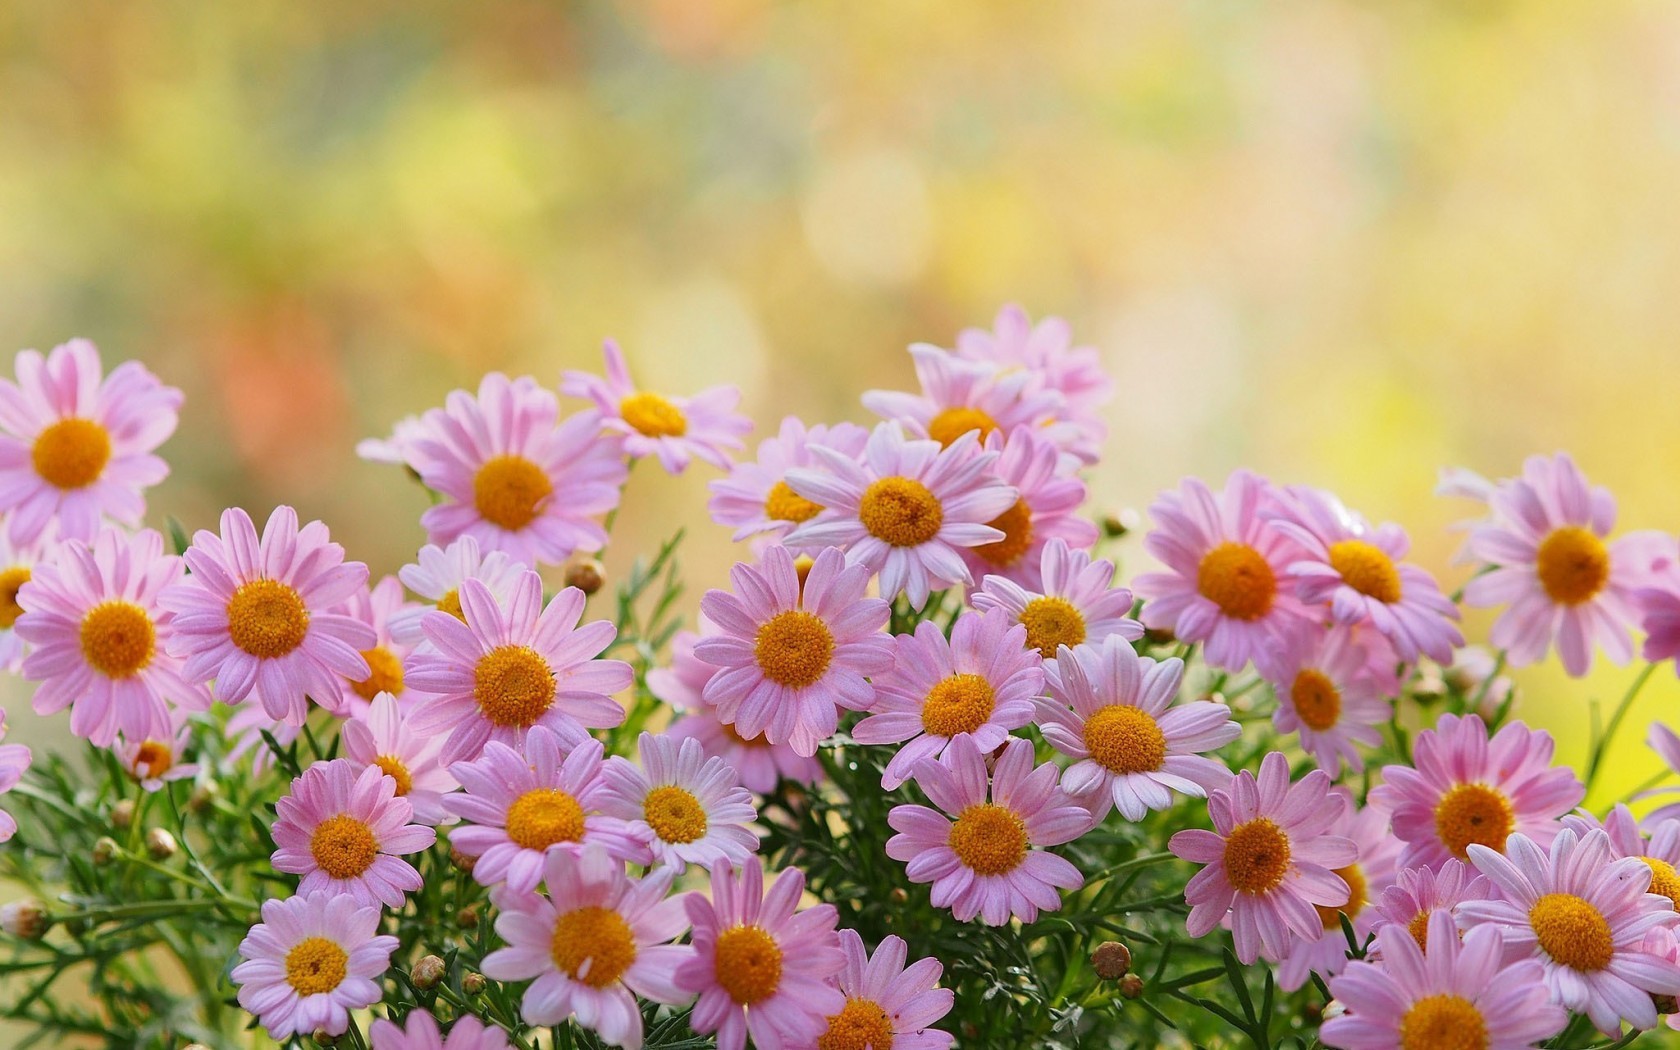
(1342, 243)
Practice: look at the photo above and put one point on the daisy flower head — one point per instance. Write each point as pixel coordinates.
(515, 476)
(17, 567)
(960, 397)
(312, 959)
(597, 941)
(1326, 694)
(345, 831)
(1113, 712)
(685, 807)
(254, 615)
(497, 672)
(1419, 893)
(383, 738)
(1270, 859)
(14, 759)
(375, 606)
(905, 509)
(674, 429)
(790, 656)
(398, 449)
(1074, 602)
(1367, 878)
(76, 445)
(1660, 851)
(1464, 789)
(760, 965)
(1046, 350)
(1584, 915)
(979, 852)
(1666, 743)
(1463, 995)
(1226, 569)
(1659, 615)
(1046, 510)
(521, 807)
(887, 1003)
(244, 730)
(980, 684)
(98, 632)
(420, 1032)
(756, 499)
(436, 575)
(156, 761)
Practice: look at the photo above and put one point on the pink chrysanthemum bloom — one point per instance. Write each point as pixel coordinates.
(675, 429)
(906, 509)
(791, 655)
(1464, 789)
(98, 635)
(979, 852)
(436, 575)
(887, 1004)
(960, 397)
(313, 959)
(1584, 915)
(1046, 350)
(1666, 743)
(760, 966)
(14, 759)
(756, 499)
(154, 761)
(421, 1033)
(254, 614)
(1553, 566)
(1113, 712)
(1659, 615)
(1660, 852)
(1045, 511)
(1367, 878)
(76, 445)
(595, 943)
(514, 475)
(1326, 693)
(398, 449)
(375, 606)
(495, 673)
(17, 567)
(1225, 572)
(1462, 995)
(1418, 893)
(1074, 603)
(1270, 859)
(980, 684)
(686, 808)
(383, 739)
(345, 831)
(244, 730)
(521, 807)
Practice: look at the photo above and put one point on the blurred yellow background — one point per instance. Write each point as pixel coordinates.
(1340, 243)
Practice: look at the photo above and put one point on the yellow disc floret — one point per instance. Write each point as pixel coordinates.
(267, 618)
(960, 703)
(1256, 856)
(1474, 813)
(1573, 932)
(989, 839)
(316, 965)
(784, 504)
(748, 963)
(1124, 739)
(543, 817)
(674, 814)
(343, 846)
(513, 685)
(1052, 622)
(118, 638)
(1235, 577)
(385, 674)
(510, 490)
(653, 415)
(860, 1025)
(1016, 524)
(1573, 565)
(593, 945)
(71, 453)
(1365, 568)
(953, 423)
(1318, 703)
(1443, 1022)
(11, 582)
(794, 648)
(902, 512)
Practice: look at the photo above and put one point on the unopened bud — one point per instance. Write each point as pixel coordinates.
(461, 860)
(1119, 523)
(427, 973)
(1159, 636)
(586, 574)
(1131, 986)
(203, 797)
(325, 1038)
(467, 918)
(160, 844)
(24, 919)
(899, 895)
(473, 983)
(105, 850)
(1665, 1003)
(1112, 960)
(122, 814)
(195, 1046)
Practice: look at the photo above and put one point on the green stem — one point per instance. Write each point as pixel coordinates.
(1602, 744)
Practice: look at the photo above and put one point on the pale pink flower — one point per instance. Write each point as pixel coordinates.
(376, 606)
(674, 429)
(686, 808)
(421, 1033)
(14, 759)
(17, 567)
(436, 575)
(1660, 850)
(156, 761)
(1074, 603)
(1367, 878)
(1666, 743)
(887, 1003)
(1046, 350)
(1045, 510)
(1418, 893)
(756, 499)
(960, 397)
(1325, 692)
(313, 959)
(383, 738)
(398, 449)
(344, 829)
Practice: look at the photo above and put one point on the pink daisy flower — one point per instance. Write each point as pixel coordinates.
(313, 959)
(514, 476)
(1225, 567)
(684, 807)
(76, 445)
(375, 606)
(1270, 859)
(756, 499)
(1046, 350)
(14, 759)
(906, 509)
(1660, 851)
(345, 831)
(1132, 745)
(17, 567)
(960, 397)
(155, 761)
(790, 656)
(675, 429)
(245, 728)
(1418, 893)
(421, 1033)
(1563, 581)
(1073, 604)
(1659, 615)
(983, 861)
(1357, 571)
(759, 965)
(1367, 878)
(383, 739)
(98, 636)
(595, 943)
(436, 576)
(887, 1004)
(398, 449)
(1666, 743)
(980, 684)
(1045, 510)
(1464, 789)
(1326, 693)
(521, 807)
(1462, 995)
(254, 614)
(497, 672)
(1584, 915)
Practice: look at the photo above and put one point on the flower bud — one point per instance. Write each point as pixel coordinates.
(1665, 1003)
(1112, 960)
(461, 860)
(473, 983)
(195, 1046)
(203, 797)
(105, 850)
(325, 1038)
(24, 919)
(1159, 636)
(122, 814)
(428, 973)
(1131, 986)
(160, 844)
(1119, 523)
(899, 895)
(467, 918)
(586, 574)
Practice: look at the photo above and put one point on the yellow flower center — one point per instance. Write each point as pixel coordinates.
(509, 490)
(1358, 892)
(316, 965)
(71, 453)
(860, 1025)
(11, 581)
(451, 604)
(397, 770)
(1124, 739)
(1318, 703)
(343, 846)
(1017, 528)
(1443, 1022)
(1665, 882)
(901, 511)
(674, 814)
(748, 963)
(153, 758)
(1236, 578)
(958, 704)
(513, 685)
(953, 423)
(1051, 622)
(784, 504)
(1366, 569)
(1419, 929)
(386, 674)
(593, 945)
(794, 648)
(1573, 932)
(1256, 856)
(267, 618)
(652, 415)
(1573, 565)
(118, 639)
(1474, 813)
(542, 817)
(989, 839)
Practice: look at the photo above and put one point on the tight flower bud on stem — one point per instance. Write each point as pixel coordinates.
(160, 844)
(1111, 960)
(24, 919)
(428, 973)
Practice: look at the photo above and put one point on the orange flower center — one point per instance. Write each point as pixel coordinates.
(989, 839)
(794, 648)
(513, 685)
(593, 945)
(953, 423)
(267, 618)
(71, 453)
(1573, 565)
(1318, 703)
(510, 490)
(901, 511)
(1366, 569)
(653, 416)
(1236, 578)
(118, 639)
(1256, 856)
(1474, 814)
